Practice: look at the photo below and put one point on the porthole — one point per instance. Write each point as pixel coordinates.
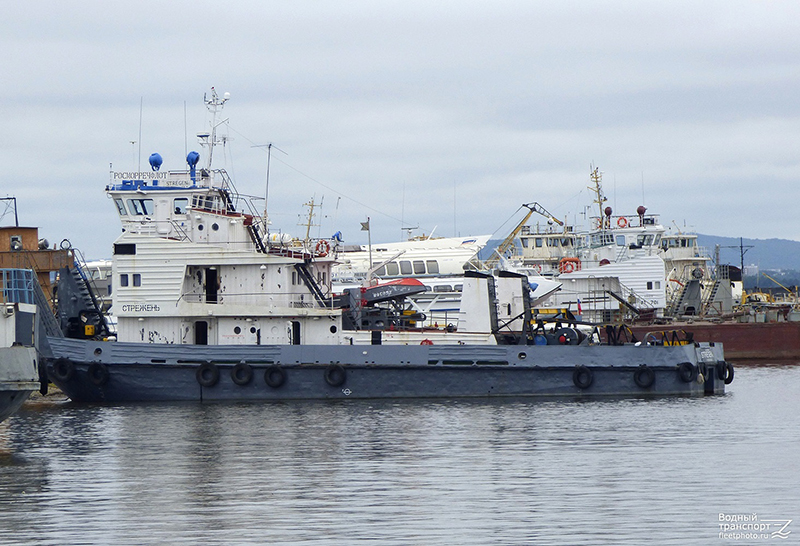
(200, 227)
(252, 329)
(237, 330)
(333, 329)
(215, 227)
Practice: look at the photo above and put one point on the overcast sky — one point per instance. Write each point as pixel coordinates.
(445, 115)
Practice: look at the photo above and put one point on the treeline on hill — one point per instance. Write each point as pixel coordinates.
(789, 278)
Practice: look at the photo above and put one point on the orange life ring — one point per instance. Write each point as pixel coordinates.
(568, 265)
(426, 342)
(323, 248)
(622, 222)
(537, 268)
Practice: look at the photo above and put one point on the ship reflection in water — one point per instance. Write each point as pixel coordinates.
(411, 472)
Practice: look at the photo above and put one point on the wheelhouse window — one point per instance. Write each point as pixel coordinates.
(181, 205)
(120, 207)
(140, 207)
(644, 240)
(419, 267)
(392, 269)
(405, 267)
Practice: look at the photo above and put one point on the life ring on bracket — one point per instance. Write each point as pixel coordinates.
(569, 265)
(622, 222)
(323, 248)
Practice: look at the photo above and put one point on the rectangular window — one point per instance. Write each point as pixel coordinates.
(392, 269)
(124, 249)
(649, 285)
(433, 267)
(181, 204)
(120, 207)
(419, 267)
(405, 267)
(140, 207)
(123, 279)
(381, 271)
(538, 242)
(137, 279)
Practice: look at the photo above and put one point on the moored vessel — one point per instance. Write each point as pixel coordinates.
(19, 372)
(210, 307)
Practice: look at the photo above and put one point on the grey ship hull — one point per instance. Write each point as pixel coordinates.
(92, 371)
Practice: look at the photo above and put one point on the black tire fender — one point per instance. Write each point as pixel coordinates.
(644, 376)
(207, 374)
(687, 372)
(98, 373)
(242, 374)
(335, 375)
(582, 377)
(728, 373)
(275, 376)
(63, 369)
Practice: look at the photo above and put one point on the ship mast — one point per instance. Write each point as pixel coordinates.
(309, 221)
(599, 198)
(214, 105)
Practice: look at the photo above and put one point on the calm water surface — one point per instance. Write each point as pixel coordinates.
(619, 471)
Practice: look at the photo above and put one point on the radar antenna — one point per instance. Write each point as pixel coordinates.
(214, 105)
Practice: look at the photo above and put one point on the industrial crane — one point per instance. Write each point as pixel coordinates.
(508, 242)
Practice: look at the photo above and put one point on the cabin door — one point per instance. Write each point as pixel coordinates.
(200, 332)
(295, 332)
(211, 285)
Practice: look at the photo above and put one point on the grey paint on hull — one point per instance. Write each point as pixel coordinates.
(140, 372)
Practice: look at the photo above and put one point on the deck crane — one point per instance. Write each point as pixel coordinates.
(508, 242)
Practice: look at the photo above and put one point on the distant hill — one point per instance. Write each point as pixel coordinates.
(772, 254)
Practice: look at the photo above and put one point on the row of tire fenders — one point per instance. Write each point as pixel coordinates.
(644, 376)
(208, 374)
